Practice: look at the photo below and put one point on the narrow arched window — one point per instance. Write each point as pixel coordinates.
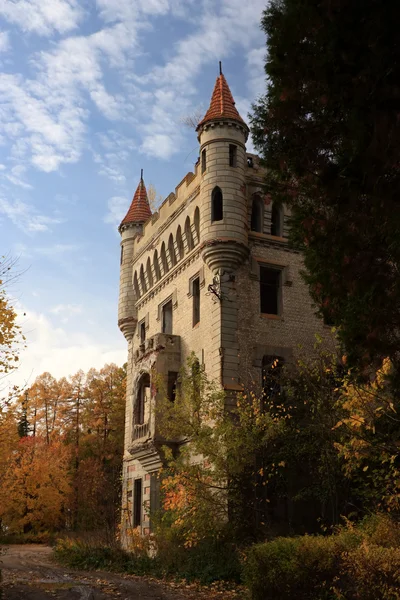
(122, 255)
(197, 225)
(203, 160)
(136, 285)
(157, 274)
(188, 235)
(143, 280)
(142, 397)
(217, 212)
(257, 214)
(149, 273)
(179, 243)
(171, 251)
(276, 220)
(164, 262)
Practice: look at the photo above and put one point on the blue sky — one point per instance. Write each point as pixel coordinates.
(91, 91)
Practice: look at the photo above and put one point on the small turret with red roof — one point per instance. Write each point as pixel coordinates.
(139, 210)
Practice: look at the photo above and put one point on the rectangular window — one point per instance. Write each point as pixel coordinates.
(142, 332)
(232, 155)
(203, 161)
(171, 390)
(122, 255)
(270, 281)
(167, 317)
(196, 300)
(137, 503)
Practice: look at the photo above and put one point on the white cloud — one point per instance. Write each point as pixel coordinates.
(26, 217)
(117, 209)
(61, 352)
(43, 17)
(4, 41)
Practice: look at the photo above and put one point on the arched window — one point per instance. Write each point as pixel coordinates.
(217, 211)
(164, 263)
(149, 273)
(156, 265)
(136, 286)
(142, 397)
(188, 235)
(197, 225)
(276, 220)
(143, 280)
(257, 214)
(179, 243)
(171, 251)
(272, 377)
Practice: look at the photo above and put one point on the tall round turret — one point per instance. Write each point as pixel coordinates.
(130, 227)
(222, 135)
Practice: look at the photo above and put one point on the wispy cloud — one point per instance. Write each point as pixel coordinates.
(4, 41)
(117, 207)
(25, 216)
(43, 17)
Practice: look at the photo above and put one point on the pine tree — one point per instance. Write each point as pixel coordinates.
(328, 129)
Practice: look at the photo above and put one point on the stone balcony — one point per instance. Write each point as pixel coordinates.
(159, 343)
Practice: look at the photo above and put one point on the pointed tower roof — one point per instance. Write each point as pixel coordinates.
(139, 210)
(222, 104)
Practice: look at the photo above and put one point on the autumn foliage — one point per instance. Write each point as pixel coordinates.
(61, 446)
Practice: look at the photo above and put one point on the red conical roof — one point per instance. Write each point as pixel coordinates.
(222, 104)
(139, 210)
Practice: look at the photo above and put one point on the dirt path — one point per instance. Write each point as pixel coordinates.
(30, 574)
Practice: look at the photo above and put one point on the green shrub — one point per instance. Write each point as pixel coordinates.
(303, 568)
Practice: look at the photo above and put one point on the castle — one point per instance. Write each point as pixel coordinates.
(210, 272)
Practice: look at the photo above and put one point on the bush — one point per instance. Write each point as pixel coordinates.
(303, 568)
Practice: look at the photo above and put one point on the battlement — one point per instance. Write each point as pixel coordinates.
(186, 188)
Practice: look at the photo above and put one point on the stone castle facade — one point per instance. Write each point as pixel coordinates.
(210, 272)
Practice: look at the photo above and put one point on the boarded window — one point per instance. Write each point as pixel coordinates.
(196, 300)
(167, 317)
(217, 211)
(203, 161)
(270, 280)
(232, 155)
(137, 503)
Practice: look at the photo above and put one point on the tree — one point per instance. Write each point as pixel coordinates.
(11, 337)
(328, 130)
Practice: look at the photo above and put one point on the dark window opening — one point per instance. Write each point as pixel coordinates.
(196, 300)
(171, 385)
(272, 377)
(269, 290)
(142, 396)
(250, 162)
(328, 320)
(167, 317)
(276, 221)
(142, 332)
(196, 376)
(257, 215)
(122, 254)
(232, 155)
(203, 160)
(137, 503)
(217, 212)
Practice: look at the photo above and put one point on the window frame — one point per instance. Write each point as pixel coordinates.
(279, 272)
(203, 161)
(233, 155)
(214, 212)
(166, 304)
(137, 502)
(196, 301)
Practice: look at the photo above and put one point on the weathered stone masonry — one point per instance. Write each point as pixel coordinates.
(198, 276)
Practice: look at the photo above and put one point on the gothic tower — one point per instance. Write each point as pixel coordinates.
(131, 226)
(222, 134)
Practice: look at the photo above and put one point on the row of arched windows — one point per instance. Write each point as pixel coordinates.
(275, 222)
(168, 256)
